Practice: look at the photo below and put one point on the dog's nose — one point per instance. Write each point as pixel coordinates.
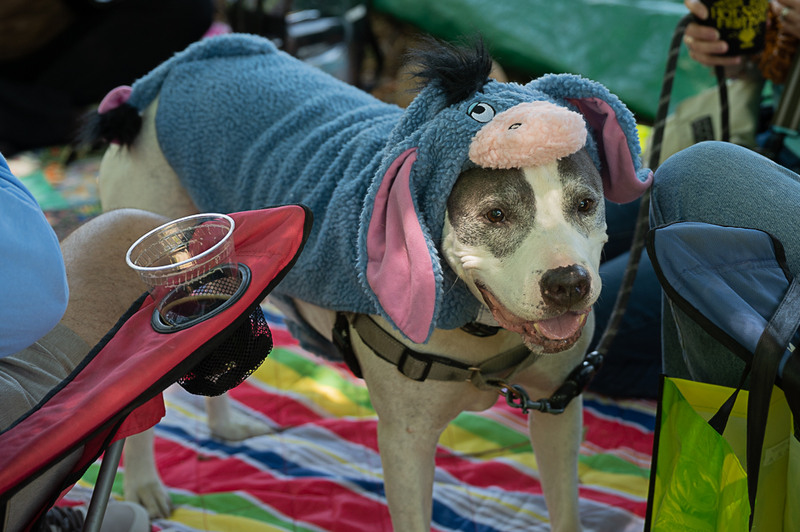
(565, 286)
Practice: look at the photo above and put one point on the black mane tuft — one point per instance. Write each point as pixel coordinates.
(460, 70)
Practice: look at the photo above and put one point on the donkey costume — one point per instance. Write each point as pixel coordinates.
(375, 176)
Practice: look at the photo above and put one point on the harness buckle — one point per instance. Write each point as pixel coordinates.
(413, 367)
(340, 335)
(474, 371)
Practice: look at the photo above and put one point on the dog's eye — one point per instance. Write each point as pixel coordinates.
(481, 112)
(586, 205)
(496, 216)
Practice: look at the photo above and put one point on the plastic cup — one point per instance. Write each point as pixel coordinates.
(741, 23)
(188, 265)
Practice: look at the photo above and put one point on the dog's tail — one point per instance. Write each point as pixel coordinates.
(114, 121)
(120, 125)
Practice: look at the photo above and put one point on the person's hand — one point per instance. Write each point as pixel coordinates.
(704, 43)
(788, 12)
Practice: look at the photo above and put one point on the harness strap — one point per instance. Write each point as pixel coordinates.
(492, 374)
(422, 366)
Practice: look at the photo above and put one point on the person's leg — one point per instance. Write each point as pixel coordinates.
(101, 284)
(727, 185)
(102, 287)
(621, 224)
(632, 365)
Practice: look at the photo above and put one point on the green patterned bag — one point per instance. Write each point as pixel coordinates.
(698, 481)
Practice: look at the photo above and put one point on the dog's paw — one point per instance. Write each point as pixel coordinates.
(227, 423)
(152, 496)
(236, 427)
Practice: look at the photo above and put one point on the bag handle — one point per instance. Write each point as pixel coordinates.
(763, 371)
(769, 351)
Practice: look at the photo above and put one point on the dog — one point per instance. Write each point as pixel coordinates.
(455, 247)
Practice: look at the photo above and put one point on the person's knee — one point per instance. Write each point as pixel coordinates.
(128, 224)
(101, 284)
(120, 227)
(687, 181)
(97, 249)
(686, 167)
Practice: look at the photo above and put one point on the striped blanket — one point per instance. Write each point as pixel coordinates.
(319, 468)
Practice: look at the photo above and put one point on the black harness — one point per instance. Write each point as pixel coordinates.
(491, 374)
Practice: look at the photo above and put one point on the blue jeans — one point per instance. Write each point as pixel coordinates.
(722, 184)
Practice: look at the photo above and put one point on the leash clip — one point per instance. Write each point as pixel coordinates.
(517, 397)
(573, 386)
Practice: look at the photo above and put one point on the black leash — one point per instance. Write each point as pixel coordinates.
(643, 219)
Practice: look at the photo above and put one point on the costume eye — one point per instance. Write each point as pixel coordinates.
(586, 205)
(481, 112)
(496, 216)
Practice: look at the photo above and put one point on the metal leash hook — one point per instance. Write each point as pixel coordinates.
(517, 397)
(575, 383)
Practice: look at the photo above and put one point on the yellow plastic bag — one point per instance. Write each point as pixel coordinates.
(698, 480)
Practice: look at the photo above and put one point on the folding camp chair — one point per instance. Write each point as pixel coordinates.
(117, 389)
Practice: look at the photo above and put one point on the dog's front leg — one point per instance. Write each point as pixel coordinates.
(556, 438)
(142, 483)
(407, 453)
(556, 442)
(411, 417)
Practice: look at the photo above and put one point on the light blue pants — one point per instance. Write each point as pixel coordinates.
(722, 184)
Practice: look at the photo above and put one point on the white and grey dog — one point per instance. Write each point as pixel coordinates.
(481, 206)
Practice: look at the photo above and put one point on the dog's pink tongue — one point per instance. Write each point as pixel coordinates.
(561, 327)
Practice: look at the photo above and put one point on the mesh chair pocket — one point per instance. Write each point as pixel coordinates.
(235, 359)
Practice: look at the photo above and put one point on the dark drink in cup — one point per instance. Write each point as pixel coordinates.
(741, 23)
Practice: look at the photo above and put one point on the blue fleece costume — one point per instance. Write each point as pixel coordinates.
(247, 126)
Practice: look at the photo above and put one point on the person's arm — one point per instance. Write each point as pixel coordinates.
(33, 282)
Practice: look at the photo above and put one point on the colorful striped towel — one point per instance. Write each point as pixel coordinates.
(319, 470)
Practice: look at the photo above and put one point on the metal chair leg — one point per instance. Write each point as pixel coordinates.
(102, 488)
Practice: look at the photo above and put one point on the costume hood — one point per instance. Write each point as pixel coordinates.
(399, 262)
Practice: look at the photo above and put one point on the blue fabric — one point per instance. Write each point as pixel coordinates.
(33, 290)
(721, 184)
(729, 274)
(329, 152)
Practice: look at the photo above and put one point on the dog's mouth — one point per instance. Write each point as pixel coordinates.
(550, 335)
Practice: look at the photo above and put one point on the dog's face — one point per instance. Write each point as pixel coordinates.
(527, 242)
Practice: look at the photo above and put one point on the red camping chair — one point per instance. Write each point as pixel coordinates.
(116, 390)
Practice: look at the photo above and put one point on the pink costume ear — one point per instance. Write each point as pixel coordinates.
(399, 264)
(114, 99)
(620, 181)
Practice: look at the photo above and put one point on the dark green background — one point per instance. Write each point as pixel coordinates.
(623, 44)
